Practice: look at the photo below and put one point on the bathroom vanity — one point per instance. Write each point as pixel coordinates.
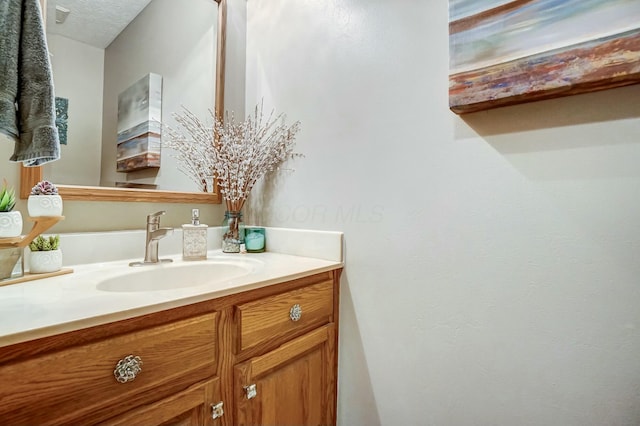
(250, 350)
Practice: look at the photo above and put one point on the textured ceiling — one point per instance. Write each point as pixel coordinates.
(94, 22)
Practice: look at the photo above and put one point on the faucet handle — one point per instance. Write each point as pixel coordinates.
(155, 217)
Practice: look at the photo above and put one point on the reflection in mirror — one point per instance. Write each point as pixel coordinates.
(103, 48)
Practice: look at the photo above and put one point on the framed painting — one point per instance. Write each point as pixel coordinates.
(508, 52)
(139, 125)
(62, 118)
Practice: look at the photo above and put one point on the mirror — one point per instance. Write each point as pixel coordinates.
(190, 60)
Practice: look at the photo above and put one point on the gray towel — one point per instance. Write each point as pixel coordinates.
(27, 100)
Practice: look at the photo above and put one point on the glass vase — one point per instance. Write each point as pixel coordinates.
(233, 232)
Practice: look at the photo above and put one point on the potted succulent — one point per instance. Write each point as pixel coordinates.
(10, 221)
(45, 255)
(44, 200)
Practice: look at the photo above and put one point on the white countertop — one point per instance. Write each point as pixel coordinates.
(50, 306)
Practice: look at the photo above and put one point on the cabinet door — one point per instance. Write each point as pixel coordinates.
(191, 407)
(292, 385)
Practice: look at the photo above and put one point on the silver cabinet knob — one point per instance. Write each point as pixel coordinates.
(128, 368)
(295, 313)
(217, 410)
(251, 391)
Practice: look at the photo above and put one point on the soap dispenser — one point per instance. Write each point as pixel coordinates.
(194, 238)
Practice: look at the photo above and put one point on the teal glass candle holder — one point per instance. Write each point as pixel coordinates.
(254, 240)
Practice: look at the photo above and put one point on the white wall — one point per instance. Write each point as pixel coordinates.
(179, 43)
(78, 71)
(492, 273)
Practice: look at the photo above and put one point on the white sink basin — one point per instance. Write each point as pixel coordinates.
(172, 276)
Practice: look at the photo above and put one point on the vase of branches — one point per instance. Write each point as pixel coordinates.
(236, 153)
(233, 232)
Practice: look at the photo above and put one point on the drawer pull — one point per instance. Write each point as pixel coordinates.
(217, 410)
(128, 368)
(251, 391)
(295, 313)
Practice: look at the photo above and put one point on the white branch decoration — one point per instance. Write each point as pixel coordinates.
(235, 154)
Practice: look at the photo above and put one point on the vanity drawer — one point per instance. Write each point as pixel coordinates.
(79, 382)
(285, 314)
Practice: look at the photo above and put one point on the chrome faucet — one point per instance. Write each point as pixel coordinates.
(154, 233)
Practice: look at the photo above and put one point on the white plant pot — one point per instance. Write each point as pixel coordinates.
(45, 261)
(44, 205)
(10, 224)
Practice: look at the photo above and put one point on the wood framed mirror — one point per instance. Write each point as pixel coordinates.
(29, 176)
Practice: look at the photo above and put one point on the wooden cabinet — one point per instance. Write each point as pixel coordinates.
(78, 382)
(284, 315)
(191, 407)
(188, 364)
(289, 386)
(294, 383)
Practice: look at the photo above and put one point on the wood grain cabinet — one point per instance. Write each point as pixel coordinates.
(291, 385)
(191, 407)
(262, 357)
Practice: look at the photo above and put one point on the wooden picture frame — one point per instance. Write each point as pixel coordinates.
(29, 176)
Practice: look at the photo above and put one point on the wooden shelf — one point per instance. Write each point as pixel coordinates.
(42, 223)
(28, 276)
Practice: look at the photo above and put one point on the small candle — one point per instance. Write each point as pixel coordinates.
(254, 240)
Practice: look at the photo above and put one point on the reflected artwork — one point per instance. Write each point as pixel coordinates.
(62, 118)
(139, 125)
